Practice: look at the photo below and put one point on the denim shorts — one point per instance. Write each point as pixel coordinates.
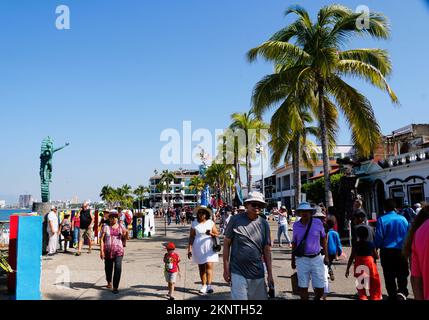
(170, 277)
(311, 269)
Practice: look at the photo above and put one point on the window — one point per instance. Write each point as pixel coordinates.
(416, 193)
(286, 182)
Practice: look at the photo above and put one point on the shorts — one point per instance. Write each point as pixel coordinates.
(170, 277)
(86, 233)
(311, 269)
(248, 289)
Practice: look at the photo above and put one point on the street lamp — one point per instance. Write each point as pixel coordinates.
(260, 150)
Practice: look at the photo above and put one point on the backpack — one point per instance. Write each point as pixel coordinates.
(128, 217)
(85, 219)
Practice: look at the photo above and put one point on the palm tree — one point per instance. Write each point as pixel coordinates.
(230, 150)
(310, 57)
(196, 185)
(125, 195)
(289, 143)
(167, 177)
(107, 195)
(140, 191)
(247, 122)
(218, 177)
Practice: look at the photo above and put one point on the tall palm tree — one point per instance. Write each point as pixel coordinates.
(167, 178)
(230, 150)
(311, 56)
(247, 122)
(196, 185)
(289, 143)
(218, 177)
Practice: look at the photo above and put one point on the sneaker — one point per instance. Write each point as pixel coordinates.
(115, 291)
(203, 290)
(401, 297)
(210, 289)
(331, 275)
(77, 254)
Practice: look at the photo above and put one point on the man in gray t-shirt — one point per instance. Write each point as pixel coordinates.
(247, 245)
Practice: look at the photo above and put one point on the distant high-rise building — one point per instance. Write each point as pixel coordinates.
(25, 201)
(74, 200)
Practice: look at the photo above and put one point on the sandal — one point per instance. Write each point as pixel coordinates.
(77, 254)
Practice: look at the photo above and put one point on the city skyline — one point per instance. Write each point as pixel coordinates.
(113, 82)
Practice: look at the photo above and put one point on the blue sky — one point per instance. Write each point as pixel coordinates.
(129, 69)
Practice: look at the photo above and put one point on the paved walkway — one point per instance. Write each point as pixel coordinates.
(142, 275)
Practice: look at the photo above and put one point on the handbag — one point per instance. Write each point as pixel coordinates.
(216, 244)
(294, 282)
(300, 249)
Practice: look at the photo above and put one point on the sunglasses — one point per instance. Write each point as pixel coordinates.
(257, 205)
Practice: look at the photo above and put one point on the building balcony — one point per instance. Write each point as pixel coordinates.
(404, 159)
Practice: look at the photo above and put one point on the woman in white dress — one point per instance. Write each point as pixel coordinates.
(200, 247)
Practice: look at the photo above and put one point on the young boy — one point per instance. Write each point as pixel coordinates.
(335, 249)
(171, 261)
(364, 255)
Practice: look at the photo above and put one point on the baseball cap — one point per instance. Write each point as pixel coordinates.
(170, 246)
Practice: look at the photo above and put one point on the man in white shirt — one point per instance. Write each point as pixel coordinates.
(52, 230)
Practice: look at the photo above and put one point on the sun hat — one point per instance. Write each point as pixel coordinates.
(53, 207)
(319, 213)
(283, 208)
(241, 208)
(170, 246)
(418, 205)
(208, 211)
(255, 197)
(305, 206)
(113, 213)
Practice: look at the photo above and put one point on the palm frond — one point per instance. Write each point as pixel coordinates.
(369, 73)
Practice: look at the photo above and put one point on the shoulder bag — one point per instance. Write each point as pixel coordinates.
(300, 249)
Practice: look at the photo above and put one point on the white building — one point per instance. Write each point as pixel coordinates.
(179, 190)
(2, 204)
(280, 186)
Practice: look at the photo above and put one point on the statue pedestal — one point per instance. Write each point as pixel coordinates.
(42, 209)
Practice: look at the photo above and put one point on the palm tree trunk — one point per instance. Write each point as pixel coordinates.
(248, 165)
(329, 202)
(296, 160)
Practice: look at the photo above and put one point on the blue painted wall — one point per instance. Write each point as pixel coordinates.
(29, 258)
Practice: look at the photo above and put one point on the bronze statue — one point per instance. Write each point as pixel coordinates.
(46, 156)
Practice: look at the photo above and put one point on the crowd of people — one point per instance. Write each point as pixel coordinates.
(400, 240)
